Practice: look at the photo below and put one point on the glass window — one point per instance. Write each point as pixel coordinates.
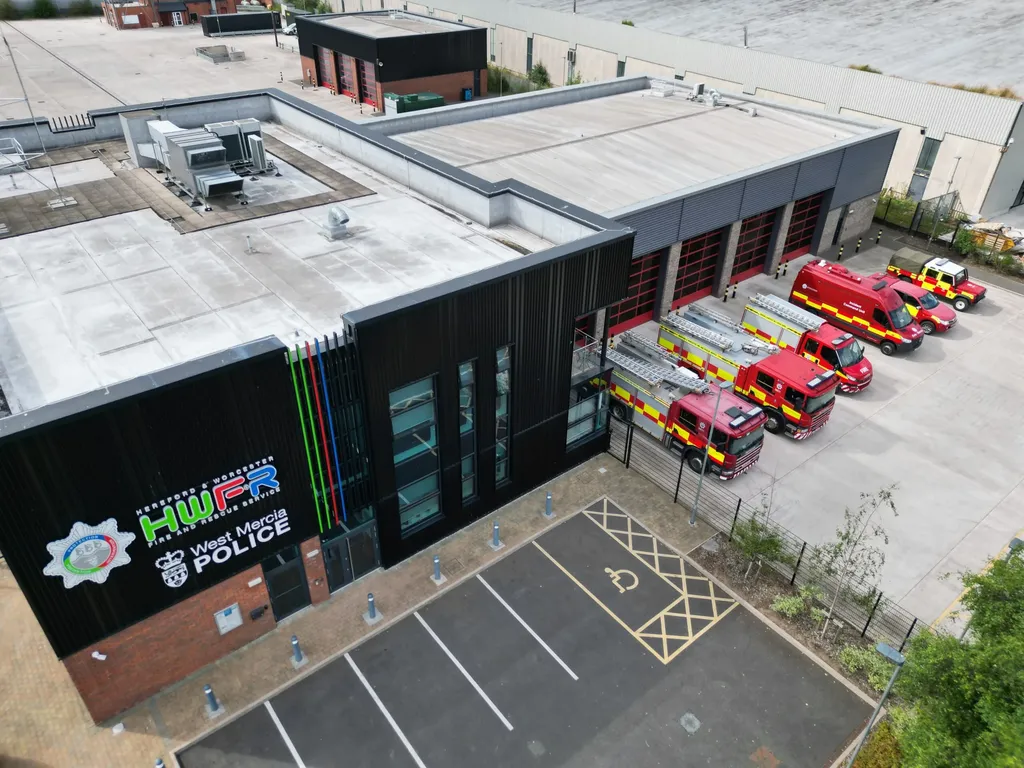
(588, 416)
(928, 301)
(829, 356)
(414, 449)
(929, 150)
(688, 420)
(852, 353)
(467, 428)
(765, 381)
(502, 409)
(900, 317)
(880, 317)
(796, 399)
(811, 346)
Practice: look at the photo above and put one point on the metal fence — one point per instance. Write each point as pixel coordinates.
(934, 218)
(861, 608)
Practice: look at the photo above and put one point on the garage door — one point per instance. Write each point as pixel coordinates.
(325, 67)
(349, 84)
(367, 83)
(698, 259)
(638, 306)
(801, 226)
(752, 250)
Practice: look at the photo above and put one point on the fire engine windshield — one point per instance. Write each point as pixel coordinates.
(815, 404)
(900, 317)
(928, 301)
(852, 353)
(740, 445)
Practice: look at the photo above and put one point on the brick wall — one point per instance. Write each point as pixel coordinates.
(316, 573)
(448, 86)
(168, 647)
(308, 65)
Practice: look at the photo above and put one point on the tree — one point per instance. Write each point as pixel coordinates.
(967, 699)
(9, 11)
(539, 76)
(758, 538)
(43, 9)
(855, 557)
(576, 78)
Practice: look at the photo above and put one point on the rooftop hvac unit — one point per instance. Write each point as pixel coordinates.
(248, 126)
(698, 90)
(258, 153)
(228, 133)
(572, 55)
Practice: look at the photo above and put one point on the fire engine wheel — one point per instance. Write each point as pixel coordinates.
(775, 424)
(694, 460)
(960, 304)
(928, 327)
(619, 411)
(888, 348)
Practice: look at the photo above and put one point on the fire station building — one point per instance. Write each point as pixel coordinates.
(216, 426)
(365, 55)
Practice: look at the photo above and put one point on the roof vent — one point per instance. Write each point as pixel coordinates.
(337, 223)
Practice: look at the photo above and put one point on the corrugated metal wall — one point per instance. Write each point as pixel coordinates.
(533, 310)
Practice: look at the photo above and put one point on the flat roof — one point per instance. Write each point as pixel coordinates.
(90, 304)
(390, 24)
(650, 145)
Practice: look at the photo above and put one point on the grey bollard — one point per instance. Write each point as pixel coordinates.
(296, 651)
(437, 568)
(371, 609)
(159, 763)
(495, 541)
(547, 506)
(213, 707)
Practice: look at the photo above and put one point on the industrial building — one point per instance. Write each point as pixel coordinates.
(139, 14)
(717, 189)
(223, 413)
(949, 139)
(366, 55)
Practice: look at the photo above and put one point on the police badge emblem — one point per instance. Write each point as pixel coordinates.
(173, 568)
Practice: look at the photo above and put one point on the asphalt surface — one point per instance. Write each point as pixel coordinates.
(597, 679)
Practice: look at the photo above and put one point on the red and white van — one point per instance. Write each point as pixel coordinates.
(932, 315)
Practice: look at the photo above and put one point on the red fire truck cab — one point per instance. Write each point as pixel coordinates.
(867, 308)
(930, 314)
(677, 407)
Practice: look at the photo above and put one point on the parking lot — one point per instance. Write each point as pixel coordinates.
(594, 645)
(944, 422)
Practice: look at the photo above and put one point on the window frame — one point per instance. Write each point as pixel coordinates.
(470, 434)
(503, 476)
(409, 402)
(768, 387)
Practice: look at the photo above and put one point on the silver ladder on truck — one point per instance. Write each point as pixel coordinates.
(654, 375)
(799, 317)
(747, 344)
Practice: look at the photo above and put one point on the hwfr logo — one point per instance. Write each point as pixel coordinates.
(190, 508)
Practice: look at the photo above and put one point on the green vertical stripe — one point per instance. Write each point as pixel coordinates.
(305, 440)
(312, 430)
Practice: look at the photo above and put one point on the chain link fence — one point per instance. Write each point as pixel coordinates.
(859, 606)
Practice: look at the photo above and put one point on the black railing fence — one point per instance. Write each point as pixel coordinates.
(861, 608)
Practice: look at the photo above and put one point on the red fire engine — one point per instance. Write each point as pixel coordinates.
(867, 308)
(797, 395)
(677, 407)
(775, 320)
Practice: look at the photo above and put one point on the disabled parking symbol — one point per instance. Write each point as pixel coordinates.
(618, 576)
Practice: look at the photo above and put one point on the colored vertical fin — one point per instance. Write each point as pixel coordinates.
(330, 424)
(305, 439)
(323, 433)
(312, 432)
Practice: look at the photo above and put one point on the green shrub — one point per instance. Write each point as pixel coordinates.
(83, 8)
(818, 615)
(866, 661)
(628, 23)
(9, 11)
(759, 541)
(539, 76)
(882, 749)
(789, 606)
(43, 9)
(576, 78)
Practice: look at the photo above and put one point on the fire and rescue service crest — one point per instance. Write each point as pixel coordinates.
(88, 553)
(173, 568)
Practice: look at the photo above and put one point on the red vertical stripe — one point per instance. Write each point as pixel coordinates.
(323, 432)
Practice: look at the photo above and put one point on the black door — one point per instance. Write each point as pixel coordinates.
(286, 582)
(1019, 200)
(351, 555)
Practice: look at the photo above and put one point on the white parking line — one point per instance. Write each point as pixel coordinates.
(384, 711)
(284, 735)
(462, 669)
(528, 628)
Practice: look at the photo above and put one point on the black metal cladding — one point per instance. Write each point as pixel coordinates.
(140, 446)
(534, 310)
(238, 23)
(399, 58)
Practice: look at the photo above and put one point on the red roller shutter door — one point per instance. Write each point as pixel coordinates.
(801, 226)
(349, 84)
(325, 65)
(638, 306)
(367, 83)
(698, 260)
(752, 249)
